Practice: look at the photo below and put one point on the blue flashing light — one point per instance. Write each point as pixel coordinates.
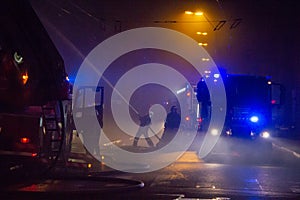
(70, 79)
(254, 119)
(216, 75)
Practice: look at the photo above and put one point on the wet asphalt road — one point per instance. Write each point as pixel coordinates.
(224, 174)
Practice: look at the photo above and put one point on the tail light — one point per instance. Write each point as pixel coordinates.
(24, 140)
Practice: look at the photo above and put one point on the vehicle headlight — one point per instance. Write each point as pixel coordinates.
(214, 132)
(265, 134)
(254, 119)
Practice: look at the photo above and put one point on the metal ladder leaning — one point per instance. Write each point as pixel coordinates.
(53, 139)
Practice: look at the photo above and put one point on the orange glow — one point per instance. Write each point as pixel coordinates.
(201, 33)
(198, 13)
(188, 94)
(24, 140)
(202, 44)
(187, 118)
(188, 12)
(25, 78)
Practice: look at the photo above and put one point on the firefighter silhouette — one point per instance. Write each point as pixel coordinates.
(145, 122)
(203, 98)
(172, 124)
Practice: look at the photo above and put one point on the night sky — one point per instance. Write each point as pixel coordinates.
(257, 38)
(265, 42)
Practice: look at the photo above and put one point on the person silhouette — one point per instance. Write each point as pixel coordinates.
(171, 126)
(145, 122)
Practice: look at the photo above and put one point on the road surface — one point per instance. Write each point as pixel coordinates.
(227, 175)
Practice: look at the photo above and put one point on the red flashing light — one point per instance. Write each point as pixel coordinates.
(24, 140)
(34, 154)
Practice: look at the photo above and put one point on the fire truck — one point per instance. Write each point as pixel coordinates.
(250, 118)
(250, 105)
(189, 112)
(36, 122)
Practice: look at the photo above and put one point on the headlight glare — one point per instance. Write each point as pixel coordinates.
(265, 134)
(254, 119)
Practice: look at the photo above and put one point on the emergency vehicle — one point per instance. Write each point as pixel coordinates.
(250, 103)
(250, 119)
(36, 120)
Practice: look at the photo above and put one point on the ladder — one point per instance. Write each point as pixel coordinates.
(52, 130)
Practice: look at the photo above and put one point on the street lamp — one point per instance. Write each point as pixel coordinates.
(202, 44)
(188, 12)
(205, 59)
(201, 33)
(197, 13)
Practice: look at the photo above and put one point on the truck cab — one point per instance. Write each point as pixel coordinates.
(249, 119)
(250, 101)
(249, 108)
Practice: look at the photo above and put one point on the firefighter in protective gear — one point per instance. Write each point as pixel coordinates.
(145, 122)
(172, 124)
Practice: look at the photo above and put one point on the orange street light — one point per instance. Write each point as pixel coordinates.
(202, 44)
(201, 33)
(198, 13)
(205, 59)
(188, 12)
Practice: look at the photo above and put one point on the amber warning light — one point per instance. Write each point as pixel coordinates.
(25, 78)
